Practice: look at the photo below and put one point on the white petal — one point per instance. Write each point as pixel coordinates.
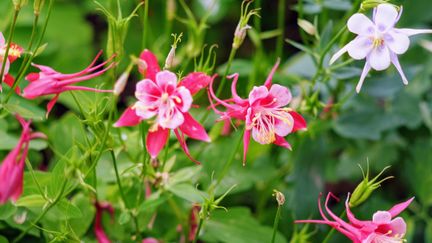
(397, 42)
(385, 16)
(360, 47)
(395, 61)
(360, 24)
(365, 72)
(338, 54)
(379, 58)
(410, 32)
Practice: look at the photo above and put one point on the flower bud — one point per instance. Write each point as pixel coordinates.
(240, 35)
(242, 26)
(370, 4)
(170, 59)
(142, 65)
(307, 26)
(280, 198)
(120, 84)
(18, 4)
(366, 187)
(37, 6)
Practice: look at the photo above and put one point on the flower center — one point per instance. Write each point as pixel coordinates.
(164, 97)
(264, 122)
(377, 42)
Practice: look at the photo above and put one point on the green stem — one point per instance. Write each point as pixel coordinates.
(276, 223)
(200, 224)
(145, 24)
(8, 45)
(281, 28)
(45, 211)
(227, 70)
(30, 168)
(257, 21)
(230, 160)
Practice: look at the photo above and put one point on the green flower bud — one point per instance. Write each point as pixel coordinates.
(366, 187)
(37, 6)
(18, 4)
(370, 4)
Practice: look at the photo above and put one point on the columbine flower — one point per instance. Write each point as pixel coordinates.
(98, 227)
(161, 97)
(48, 81)
(264, 112)
(383, 227)
(12, 168)
(378, 41)
(14, 53)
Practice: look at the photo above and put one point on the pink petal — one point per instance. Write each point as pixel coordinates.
(280, 141)
(193, 129)
(184, 146)
(411, 32)
(195, 81)
(185, 99)
(2, 40)
(353, 220)
(379, 58)
(363, 75)
(51, 104)
(361, 25)
(360, 47)
(398, 208)
(268, 81)
(246, 140)
(385, 16)
(152, 65)
(257, 94)
(236, 97)
(299, 121)
(169, 117)
(282, 95)
(381, 217)
(166, 80)
(9, 80)
(397, 42)
(145, 111)
(284, 127)
(128, 118)
(398, 226)
(156, 140)
(395, 61)
(147, 91)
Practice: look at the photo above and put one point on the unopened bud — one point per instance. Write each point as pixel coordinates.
(240, 35)
(280, 198)
(120, 84)
(18, 4)
(37, 6)
(366, 187)
(370, 4)
(307, 26)
(242, 26)
(142, 65)
(170, 59)
(170, 9)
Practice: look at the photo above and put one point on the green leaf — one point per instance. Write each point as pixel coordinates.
(3, 239)
(31, 201)
(187, 192)
(7, 210)
(152, 202)
(82, 224)
(237, 225)
(124, 218)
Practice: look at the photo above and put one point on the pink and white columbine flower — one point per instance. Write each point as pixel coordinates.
(50, 82)
(162, 97)
(378, 41)
(265, 114)
(14, 53)
(383, 227)
(12, 167)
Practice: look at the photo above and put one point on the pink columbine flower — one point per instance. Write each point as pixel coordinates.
(14, 53)
(50, 82)
(98, 227)
(267, 119)
(162, 98)
(378, 41)
(384, 226)
(12, 167)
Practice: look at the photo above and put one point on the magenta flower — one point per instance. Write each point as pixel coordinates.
(98, 227)
(265, 114)
(378, 41)
(383, 227)
(12, 167)
(48, 81)
(14, 53)
(162, 98)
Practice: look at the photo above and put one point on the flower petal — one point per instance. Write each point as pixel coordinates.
(363, 75)
(396, 63)
(285, 126)
(410, 32)
(193, 129)
(379, 58)
(257, 93)
(195, 81)
(144, 111)
(169, 117)
(398, 208)
(381, 217)
(147, 92)
(152, 65)
(397, 42)
(51, 104)
(360, 47)
(360, 24)
(398, 226)
(385, 17)
(269, 79)
(282, 95)
(246, 140)
(338, 54)
(2, 40)
(156, 140)
(299, 121)
(166, 80)
(280, 141)
(184, 146)
(184, 102)
(128, 118)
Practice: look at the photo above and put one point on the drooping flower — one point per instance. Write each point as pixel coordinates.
(98, 227)
(267, 119)
(162, 97)
(378, 41)
(14, 53)
(12, 167)
(384, 226)
(50, 82)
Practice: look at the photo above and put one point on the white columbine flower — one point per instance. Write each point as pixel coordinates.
(378, 41)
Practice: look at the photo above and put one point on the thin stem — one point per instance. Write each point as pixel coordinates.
(30, 168)
(230, 160)
(8, 45)
(281, 28)
(227, 70)
(276, 223)
(200, 224)
(145, 24)
(257, 21)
